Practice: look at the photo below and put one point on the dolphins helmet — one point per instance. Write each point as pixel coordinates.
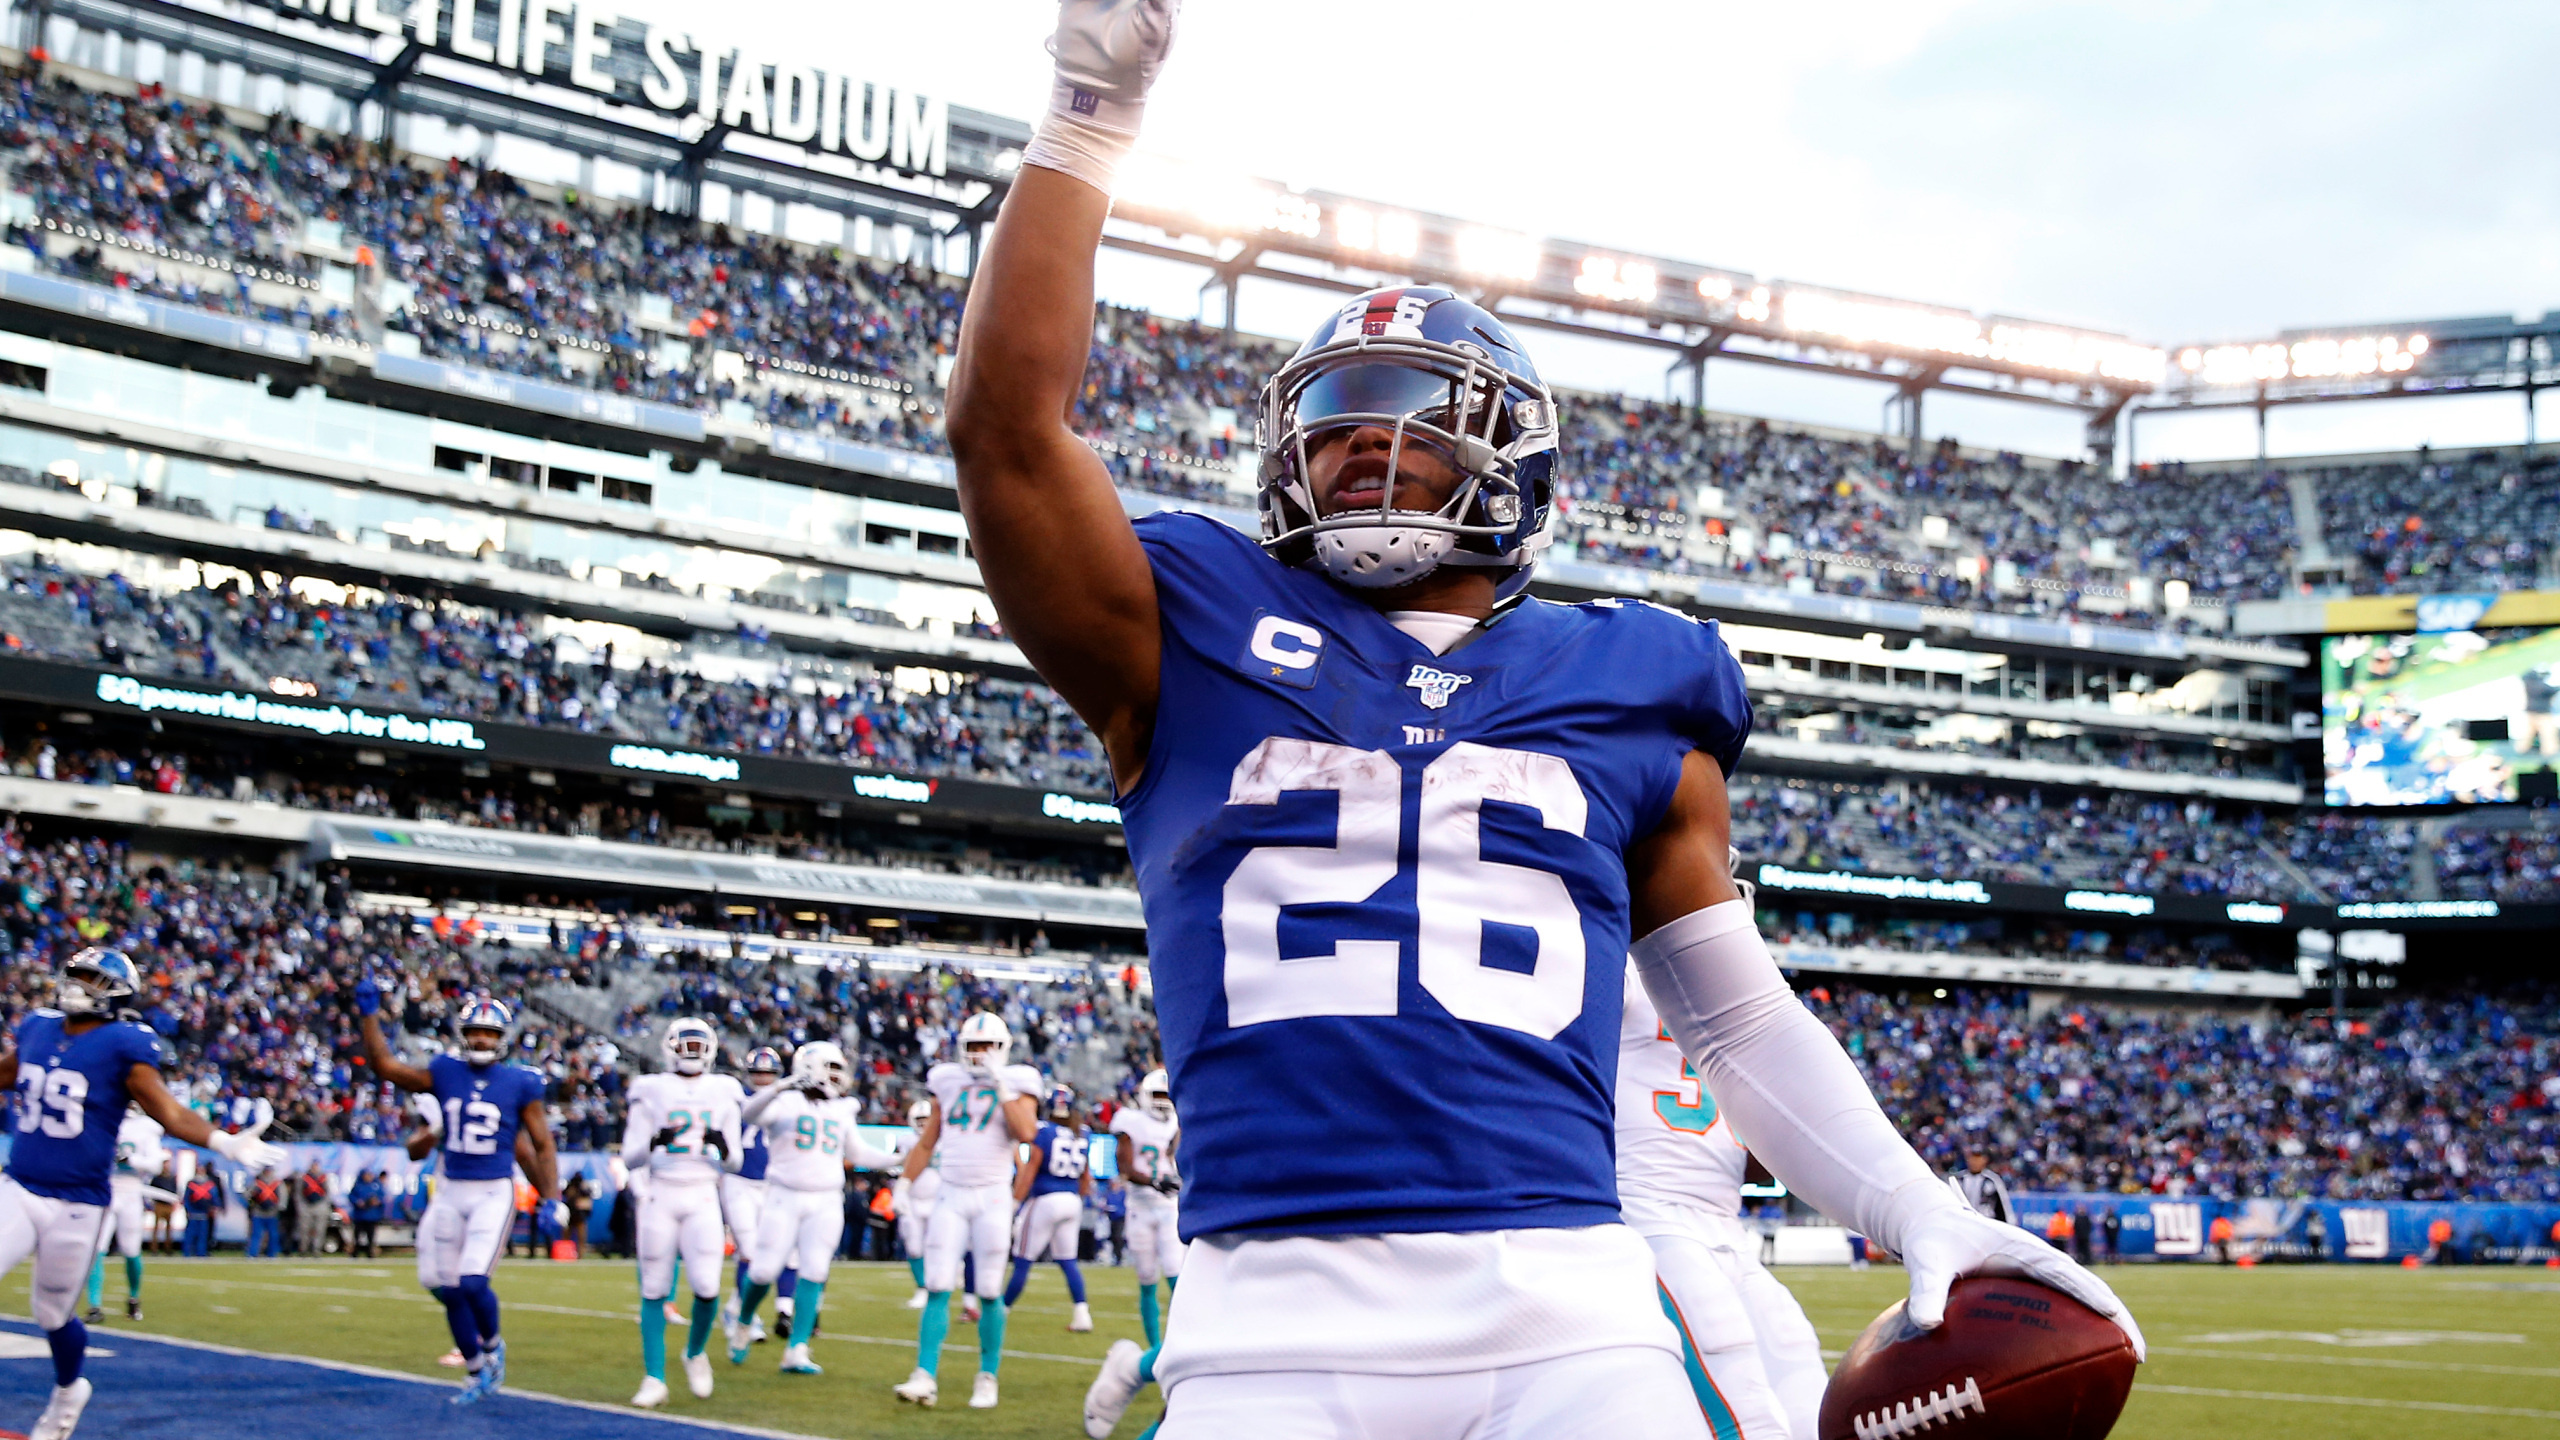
(689, 1046)
(1155, 1094)
(96, 982)
(483, 1025)
(918, 1113)
(763, 1060)
(985, 1039)
(1439, 375)
(823, 1061)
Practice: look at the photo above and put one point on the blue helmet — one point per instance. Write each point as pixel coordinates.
(1440, 376)
(484, 1016)
(764, 1060)
(1062, 1102)
(96, 982)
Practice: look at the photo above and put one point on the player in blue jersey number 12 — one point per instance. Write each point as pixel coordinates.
(1397, 827)
(76, 1066)
(488, 1106)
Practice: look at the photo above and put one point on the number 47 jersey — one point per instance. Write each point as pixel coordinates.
(1386, 891)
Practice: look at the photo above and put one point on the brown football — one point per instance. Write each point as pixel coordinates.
(2014, 1361)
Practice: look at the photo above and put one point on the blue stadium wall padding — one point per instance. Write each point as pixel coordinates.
(2180, 1227)
(156, 1388)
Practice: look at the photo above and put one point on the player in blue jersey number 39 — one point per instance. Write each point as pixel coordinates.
(1397, 827)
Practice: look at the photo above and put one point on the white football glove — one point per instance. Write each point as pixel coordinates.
(1950, 1242)
(246, 1150)
(1109, 53)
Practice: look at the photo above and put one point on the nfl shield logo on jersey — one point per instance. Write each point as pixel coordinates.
(1436, 685)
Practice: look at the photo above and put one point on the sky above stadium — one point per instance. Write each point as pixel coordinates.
(2174, 171)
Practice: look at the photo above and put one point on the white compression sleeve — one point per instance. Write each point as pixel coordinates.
(1780, 1077)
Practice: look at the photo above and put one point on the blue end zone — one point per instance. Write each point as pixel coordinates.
(160, 1389)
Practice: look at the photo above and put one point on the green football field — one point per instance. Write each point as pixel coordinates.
(2270, 1354)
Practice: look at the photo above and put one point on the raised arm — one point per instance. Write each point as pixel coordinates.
(377, 1052)
(1060, 562)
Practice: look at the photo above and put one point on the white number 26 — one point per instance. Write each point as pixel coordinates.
(1457, 891)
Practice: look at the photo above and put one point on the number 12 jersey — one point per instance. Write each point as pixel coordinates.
(1386, 894)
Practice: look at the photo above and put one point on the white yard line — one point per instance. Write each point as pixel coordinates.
(2359, 1401)
(2361, 1362)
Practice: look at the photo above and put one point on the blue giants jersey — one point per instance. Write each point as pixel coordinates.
(1061, 1155)
(753, 1153)
(71, 1102)
(483, 1108)
(1385, 890)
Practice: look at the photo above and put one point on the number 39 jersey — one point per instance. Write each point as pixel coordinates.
(483, 1108)
(1673, 1143)
(71, 1103)
(1386, 891)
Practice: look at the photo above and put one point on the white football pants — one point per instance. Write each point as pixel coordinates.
(680, 1218)
(1623, 1393)
(807, 1223)
(1757, 1355)
(61, 1234)
(1048, 1226)
(972, 1220)
(131, 1216)
(918, 1216)
(463, 1230)
(1155, 1235)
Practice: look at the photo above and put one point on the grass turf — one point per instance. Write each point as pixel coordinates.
(2271, 1353)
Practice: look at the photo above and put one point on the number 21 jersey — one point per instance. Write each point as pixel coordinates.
(1386, 894)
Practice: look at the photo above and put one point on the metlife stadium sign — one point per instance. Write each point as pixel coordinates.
(797, 98)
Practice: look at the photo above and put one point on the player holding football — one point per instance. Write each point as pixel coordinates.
(1751, 1355)
(1148, 1136)
(1394, 827)
(1050, 1189)
(486, 1106)
(683, 1125)
(982, 1109)
(77, 1067)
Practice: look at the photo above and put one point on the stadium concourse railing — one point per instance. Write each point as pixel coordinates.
(52, 305)
(2181, 1228)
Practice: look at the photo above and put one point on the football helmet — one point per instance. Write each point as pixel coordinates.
(1437, 374)
(918, 1113)
(1155, 1094)
(985, 1039)
(484, 1025)
(689, 1046)
(1062, 1103)
(766, 1061)
(96, 982)
(823, 1062)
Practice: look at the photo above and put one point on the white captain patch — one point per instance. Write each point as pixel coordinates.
(1436, 685)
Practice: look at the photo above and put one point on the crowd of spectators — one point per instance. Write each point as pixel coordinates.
(2479, 523)
(2442, 1098)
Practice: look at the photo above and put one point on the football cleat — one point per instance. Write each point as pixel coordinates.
(1112, 1390)
(95, 1316)
(1081, 1321)
(919, 1389)
(697, 1375)
(62, 1413)
(970, 1309)
(494, 1363)
(982, 1392)
(738, 1343)
(451, 1359)
(796, 1361)
(916, 1301)
(133, 1307)
(651, 1394)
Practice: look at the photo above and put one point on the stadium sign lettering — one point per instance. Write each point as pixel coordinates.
(2254, 912)
(672, 762)
(667, 69)
(2420, 910)
(2109, 902)
(890, 787)
(1068, 807)
(1882, 887)
(318, 719)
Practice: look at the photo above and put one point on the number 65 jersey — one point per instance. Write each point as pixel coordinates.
(1386, 892)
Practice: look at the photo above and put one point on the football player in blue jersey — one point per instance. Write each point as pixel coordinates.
(75, 1067)
(1050, 1188)
(742, 1198)
(486, 1105)
(1396, 827)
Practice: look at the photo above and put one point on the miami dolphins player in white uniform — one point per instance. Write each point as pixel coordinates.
(982, 1109)
(1148, 1136)
(742, 1190)
(810, 1126)
(1394, 826)
(915, 1199)
(486, 1104)
(76, 1069)
(682, 1125)
(1751, 1355)
(139, 1160)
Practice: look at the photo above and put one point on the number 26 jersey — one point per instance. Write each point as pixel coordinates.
(1386, 893)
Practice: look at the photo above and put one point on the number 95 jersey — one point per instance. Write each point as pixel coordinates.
(1386, 890)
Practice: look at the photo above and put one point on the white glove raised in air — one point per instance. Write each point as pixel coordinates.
(1109, 53)
(244, 1149)
(1950, 1242)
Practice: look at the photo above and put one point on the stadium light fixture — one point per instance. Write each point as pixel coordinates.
(1862, 322)
(2313, 357)
(1621, 281)
(1498, 254)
